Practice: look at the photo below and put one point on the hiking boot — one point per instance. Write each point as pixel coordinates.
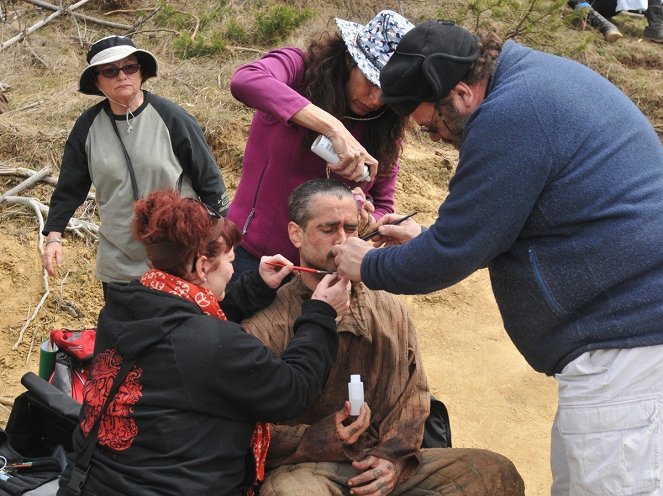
(654, 32)
(596, 20)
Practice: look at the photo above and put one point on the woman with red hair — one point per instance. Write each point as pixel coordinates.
(189, 412)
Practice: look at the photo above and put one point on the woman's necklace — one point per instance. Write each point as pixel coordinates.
(372, 118)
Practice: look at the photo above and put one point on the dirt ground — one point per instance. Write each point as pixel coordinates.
(495, 400)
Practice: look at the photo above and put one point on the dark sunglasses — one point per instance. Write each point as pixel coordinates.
(212, 213)
(210, 210)
(111, 72)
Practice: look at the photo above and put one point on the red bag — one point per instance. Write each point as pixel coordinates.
(73, 360)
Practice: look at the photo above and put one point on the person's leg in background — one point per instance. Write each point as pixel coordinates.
(559, 465)
(596, 20)
(654, 30)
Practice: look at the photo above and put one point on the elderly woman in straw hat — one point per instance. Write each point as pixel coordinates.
(333, 89)
(128, 145)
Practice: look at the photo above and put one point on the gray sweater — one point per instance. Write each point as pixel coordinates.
(167, 151)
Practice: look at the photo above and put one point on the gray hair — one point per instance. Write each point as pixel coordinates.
(299, 201)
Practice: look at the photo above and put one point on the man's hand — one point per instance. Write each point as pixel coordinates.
(349, 434)
(395, 235)
(348, 257)
(379, 477)
(365, 210)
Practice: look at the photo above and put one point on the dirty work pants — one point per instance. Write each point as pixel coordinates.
(448, 471)
(607, 437)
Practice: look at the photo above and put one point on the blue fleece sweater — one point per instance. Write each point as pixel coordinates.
(559, 192)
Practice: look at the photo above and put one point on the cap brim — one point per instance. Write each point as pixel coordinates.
(402, 106)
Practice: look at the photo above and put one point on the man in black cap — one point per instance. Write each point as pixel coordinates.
(559, 192)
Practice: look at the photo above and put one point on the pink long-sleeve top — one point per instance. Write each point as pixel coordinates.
(275, 161)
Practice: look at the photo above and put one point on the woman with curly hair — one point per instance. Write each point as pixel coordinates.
(332, 89)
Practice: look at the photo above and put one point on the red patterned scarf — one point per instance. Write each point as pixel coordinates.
(205, 300)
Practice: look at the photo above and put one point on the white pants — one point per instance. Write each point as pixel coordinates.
(607, 435)
(631, 5)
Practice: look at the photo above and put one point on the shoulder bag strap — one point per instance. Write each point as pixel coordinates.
(134, 185)
(81, 467)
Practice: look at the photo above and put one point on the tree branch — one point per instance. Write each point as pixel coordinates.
(143, 20)
(79, 227)
(36, 207)
(50, 6)
(41, 23)
(6, 170)
(26, 184)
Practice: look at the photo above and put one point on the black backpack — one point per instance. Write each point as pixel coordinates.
(437, 430)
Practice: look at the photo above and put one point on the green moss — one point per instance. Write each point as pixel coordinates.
(203, 45)
(277, 21)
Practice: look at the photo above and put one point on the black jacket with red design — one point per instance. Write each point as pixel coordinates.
(182, 421)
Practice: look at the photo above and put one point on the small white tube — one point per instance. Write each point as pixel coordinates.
(355, 393)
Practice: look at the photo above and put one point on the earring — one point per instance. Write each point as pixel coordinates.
(204, 280)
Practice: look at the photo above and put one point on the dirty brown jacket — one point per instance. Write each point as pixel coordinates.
(377, 340)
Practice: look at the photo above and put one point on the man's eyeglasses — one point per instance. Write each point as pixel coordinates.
(434, 123)
(111, 72)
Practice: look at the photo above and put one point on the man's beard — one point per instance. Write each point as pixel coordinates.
(455, 123)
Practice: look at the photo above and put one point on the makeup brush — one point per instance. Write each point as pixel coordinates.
(396, 222)
(300, 269)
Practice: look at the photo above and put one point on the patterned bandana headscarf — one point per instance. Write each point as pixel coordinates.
(205, 300)
(372, 45)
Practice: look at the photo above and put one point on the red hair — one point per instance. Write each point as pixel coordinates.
(183, 225)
